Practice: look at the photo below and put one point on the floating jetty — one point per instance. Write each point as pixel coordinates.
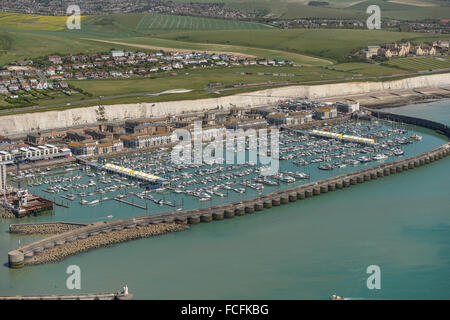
(133, 174)
(339, 136)
(131, 203)
(24, 255)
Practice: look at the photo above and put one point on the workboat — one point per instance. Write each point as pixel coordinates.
(336, 297)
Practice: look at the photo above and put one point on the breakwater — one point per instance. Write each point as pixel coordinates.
(44, 227)
(433, 125)
(93, 236)
(87, 296)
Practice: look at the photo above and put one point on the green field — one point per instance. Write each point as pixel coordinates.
(306, 47)
(200, 78)
(325, 43)
(320, 56)
(16, 45)
(367, 69)
(350, 9)
(419, 63)
(171, 22)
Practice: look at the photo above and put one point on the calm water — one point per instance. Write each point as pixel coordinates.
(306, 250)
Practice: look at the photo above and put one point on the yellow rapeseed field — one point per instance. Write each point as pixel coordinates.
(32, 21)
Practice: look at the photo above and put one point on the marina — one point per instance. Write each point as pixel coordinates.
(33, 253)
(248, 235)
(299, 225)
(152, 182)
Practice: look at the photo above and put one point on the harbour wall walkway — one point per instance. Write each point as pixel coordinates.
(26, 254)
(433, 125)
(90, 296)
(44, 227)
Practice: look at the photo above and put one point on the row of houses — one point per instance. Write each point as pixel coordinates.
(92, 7)
(124, 64)
(11, 85)
(96, 147)
(406, 49)
(141, 63)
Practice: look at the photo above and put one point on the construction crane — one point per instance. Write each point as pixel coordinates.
(18, 160)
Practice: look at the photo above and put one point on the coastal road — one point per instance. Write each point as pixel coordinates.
(99, 100)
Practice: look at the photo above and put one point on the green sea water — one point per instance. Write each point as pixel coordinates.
(306, 250)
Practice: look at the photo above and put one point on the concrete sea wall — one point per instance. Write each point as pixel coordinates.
(92, 236)
(89, 296)
(17, 125)
(433, 125)
(44, 227)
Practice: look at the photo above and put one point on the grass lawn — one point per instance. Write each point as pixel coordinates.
(154, 21)
(325, 43)
(17, 45)
(367, 69)
(419, 63)
(200, 78)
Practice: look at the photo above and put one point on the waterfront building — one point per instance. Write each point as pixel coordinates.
(82, 149)
(347, 107)
(96, 148)
(246, 124)
(77, 136)
(291, 118)
(5, 157)
(47, 151)
(145, 141)
(325, 113)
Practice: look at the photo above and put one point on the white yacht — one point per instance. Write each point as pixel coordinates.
(380, 157)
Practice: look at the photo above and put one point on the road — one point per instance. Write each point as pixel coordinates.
(263, 86)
